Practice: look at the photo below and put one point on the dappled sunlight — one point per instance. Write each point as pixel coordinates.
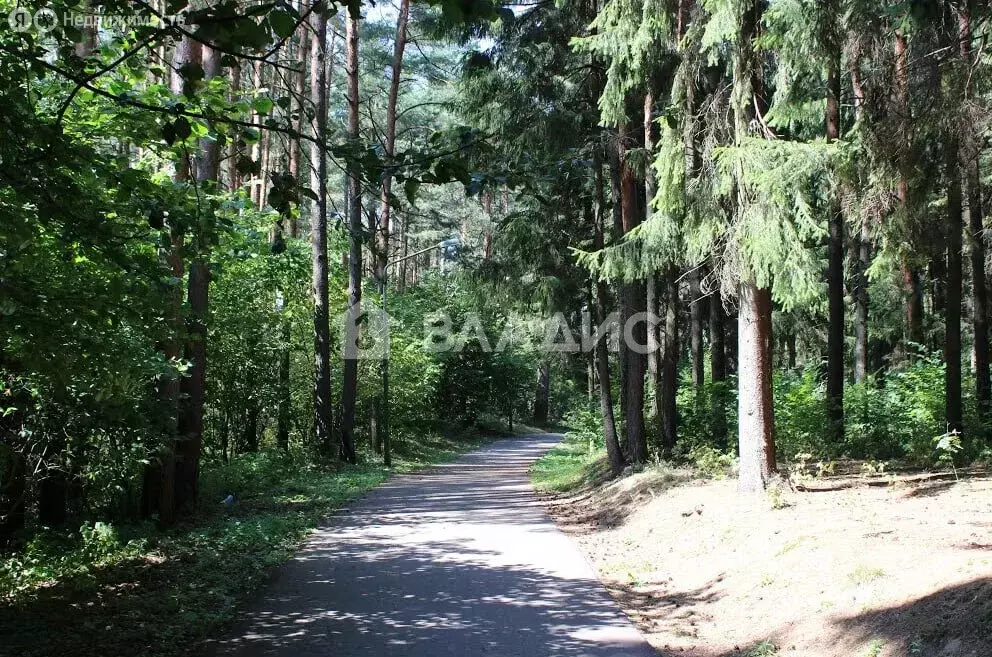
(458, 560)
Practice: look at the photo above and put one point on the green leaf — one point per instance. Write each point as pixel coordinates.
(262, 105)
(410, 188)
(182, 128)
(283, 23)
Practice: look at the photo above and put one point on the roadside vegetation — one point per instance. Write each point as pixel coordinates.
(134, 588)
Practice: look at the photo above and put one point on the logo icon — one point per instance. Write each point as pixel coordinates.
(45, 20)
(364, 332)
(20, 20)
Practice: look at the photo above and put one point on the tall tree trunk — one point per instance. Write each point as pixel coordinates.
(669, 384)
(194, 386)
(755, 406)
(159, 486)
(972, 192)
(912, 290)
(323, 404)
(862, 250)
(652, 284)
(382, 246)
(542, 394)
(952, 316)
(633, 297)
(756, 419)
(953, 237)
(718, 369)
(285, 410)
(835, 272)
(349, 389)
(613, 151)
(697, 307)
(614, 452)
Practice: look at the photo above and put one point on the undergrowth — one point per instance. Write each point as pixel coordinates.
(138, 590)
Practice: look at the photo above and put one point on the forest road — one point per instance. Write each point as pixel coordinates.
(457, 560)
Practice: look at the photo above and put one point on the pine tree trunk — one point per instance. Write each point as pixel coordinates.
(542, 394)
(614, 452)
(835, 275)
(159, 480)
(952, 316)
(194, 386)
(972, 196)
(912, 290)
(616, 197)
(863, 249)
(718, 369)
(285, 410)
(349, 389)
(655, 331)
(755, 407)
(980, 302)
(697, 309)
(756, 420)
(861, 304)
(382, 246)
(323, 404)
(953, 238)
(669, 384)
(633, 299)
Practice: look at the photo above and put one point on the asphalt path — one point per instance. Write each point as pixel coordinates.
(458, 560)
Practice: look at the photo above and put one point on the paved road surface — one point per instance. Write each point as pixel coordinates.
(460, 560)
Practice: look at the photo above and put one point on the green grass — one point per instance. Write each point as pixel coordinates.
(763, 649)
(137, 590)
(568, 466)
(865, 575)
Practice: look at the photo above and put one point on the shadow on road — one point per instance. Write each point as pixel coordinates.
(461, 560)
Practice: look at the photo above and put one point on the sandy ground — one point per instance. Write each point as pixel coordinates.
(859, 568)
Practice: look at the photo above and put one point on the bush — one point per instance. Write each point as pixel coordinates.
(585, 427)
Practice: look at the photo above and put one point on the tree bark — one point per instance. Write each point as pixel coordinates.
(669, 384)
(718, 369)
(614, 452)
(756, 420)
(952, 313)
(953, 238)
(349, 390)
(835, 273)
(972, 193)
(755, 406)
(194, 386)
(613, 150)
(633, 297)
(542, 394)
(697, 308)
(159, 485)
(912, 290)
(323, 404)
(382, 247)
(863, 250)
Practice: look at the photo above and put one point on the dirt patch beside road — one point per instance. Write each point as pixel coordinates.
(855, 570)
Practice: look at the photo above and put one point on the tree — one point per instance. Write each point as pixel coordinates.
(349, 392)
(385, 207)
(323, 414)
